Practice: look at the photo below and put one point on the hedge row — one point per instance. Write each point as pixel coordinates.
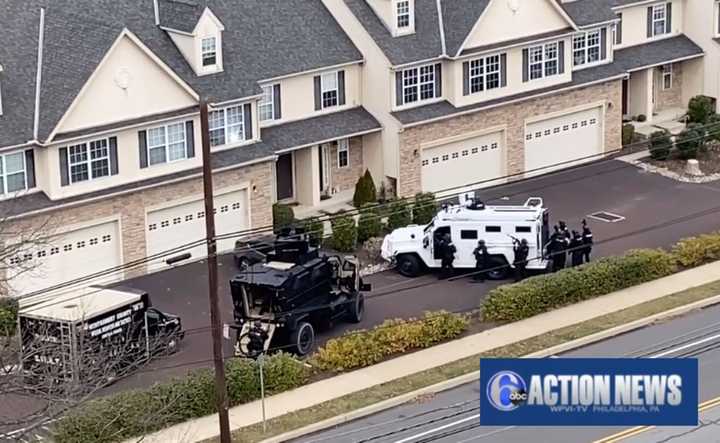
(364, 348)
(135, 413)
(542, 293)
(696, 251)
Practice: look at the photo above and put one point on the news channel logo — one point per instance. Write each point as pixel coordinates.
(506, 391)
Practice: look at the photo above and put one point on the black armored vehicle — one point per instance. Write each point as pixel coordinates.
(294, 291)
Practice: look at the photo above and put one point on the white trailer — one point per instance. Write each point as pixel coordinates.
(414, 248)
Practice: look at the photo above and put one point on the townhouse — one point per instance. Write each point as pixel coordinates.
(100, 132)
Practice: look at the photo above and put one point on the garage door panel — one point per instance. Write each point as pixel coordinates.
(562, 141)
(68, 256)
(462, 163)
(169, 230)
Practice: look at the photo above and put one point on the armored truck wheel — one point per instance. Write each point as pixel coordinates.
(409, 265)
(499, 268)
(303, 338)
(356, 309)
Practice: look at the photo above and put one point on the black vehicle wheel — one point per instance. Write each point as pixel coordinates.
(499, 269)
(357, 309)
(303, 338)
(409, 265)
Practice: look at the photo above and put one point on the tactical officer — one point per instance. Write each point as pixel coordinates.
(576, 249)
(564, 230)
(257, 337)
(482, 260)
(448, 256)
(557, 247)
(587, 239)
(521, 250)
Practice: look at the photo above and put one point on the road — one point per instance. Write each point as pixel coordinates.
(452, 416)
(658, 211)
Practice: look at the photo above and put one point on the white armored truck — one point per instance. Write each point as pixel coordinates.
(414, 249)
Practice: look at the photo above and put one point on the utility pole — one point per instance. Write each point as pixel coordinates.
(215, 320)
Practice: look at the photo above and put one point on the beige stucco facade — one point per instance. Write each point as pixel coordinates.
(512, 118)
(634, 22)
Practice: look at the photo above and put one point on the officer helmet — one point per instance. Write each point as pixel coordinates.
(481, 242)
(523, 242)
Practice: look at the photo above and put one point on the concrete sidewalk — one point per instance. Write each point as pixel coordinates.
(348, 383)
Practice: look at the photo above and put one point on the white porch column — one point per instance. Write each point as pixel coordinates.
(650, 85)
(307, 173)
(640, 90)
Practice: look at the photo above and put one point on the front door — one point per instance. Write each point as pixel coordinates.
(284, 176)
(324, 168)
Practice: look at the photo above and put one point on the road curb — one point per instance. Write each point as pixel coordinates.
(471, 376)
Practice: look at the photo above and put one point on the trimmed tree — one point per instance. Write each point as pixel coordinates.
(660, 145)
(283, 216)
(689, 142)
(424, 208)
(344, 233)
(700, 108)
(398, 214)
(365, 191)
(369, 224)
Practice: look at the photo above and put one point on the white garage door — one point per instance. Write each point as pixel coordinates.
(68, 256)
(555, 143)
(176, 226)
(465, 163)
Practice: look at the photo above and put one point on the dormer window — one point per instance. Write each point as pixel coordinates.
(209, 51)
(404, 17)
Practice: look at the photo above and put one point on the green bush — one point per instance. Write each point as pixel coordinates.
(398, 214)
(369, 224)
(283, 216)
(424, 208)
(542, 293)
(700, 108)
(641, 118)
(138, 412)
(628, 133)
(344, 233)
(8, 316)
(358, 349)
(364, 190)
(690, 141)
(712, 127)
(696, 251)
(660, 145)
(315, 229)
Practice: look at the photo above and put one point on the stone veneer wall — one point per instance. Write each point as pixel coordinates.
(131, 208)
(513, 117)
(345, 178)
(669, 98)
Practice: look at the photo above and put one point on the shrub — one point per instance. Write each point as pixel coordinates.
(315, 229)
(398, 214)
(696, 251)
(660, 145)
(628, 134)
(700, 108)
(641, 118)
(283, 216)
(364, 190)
(713, 127)
(424, 208)
(369, 224)
(344, 233)
(8, 316)
(138, 412)
(545, 292)
(364, 348)
(689, 142)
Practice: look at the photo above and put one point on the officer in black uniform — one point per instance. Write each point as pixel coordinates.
(521, 250)
(257, 336)
(576, 249)
(587, 239)
(482, 260)
(556, 248)
(565, 231)
(448, 257)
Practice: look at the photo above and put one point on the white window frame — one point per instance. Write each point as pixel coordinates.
(166, 144)
(265, 106)
(213, 52)
(326, 89)
(667, 74)
(584, 49)
(89, 160)
(616, 28)
(343, 147)
(4, 174)
(225, 126)
(544, 61)
(657, 11)
(403, 10)
(417, 81)
(482, 70)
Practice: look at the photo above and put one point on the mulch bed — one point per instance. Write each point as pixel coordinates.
(709, 161)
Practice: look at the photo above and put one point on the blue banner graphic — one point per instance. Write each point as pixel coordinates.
(588, 392)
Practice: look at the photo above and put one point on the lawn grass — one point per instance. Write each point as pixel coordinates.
(304, 417)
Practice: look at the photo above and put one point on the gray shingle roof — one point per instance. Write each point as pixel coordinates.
(262, 39)
(446, 109)
(424, 44)
(274, 139)
(180, 15)
(459, 17)
(589, 12)
(657, 53)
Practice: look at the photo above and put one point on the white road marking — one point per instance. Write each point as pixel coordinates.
(439, 428)
(686, 346)
(487, 434)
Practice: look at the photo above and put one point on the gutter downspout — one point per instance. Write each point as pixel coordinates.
(156, 10)
(38, 78)
(442, 28)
